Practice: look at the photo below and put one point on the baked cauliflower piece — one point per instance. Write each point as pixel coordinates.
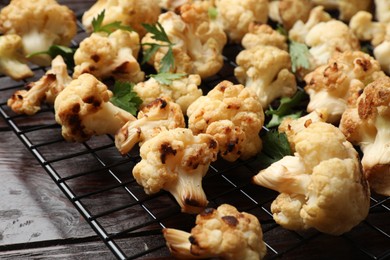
(321, 186)
(182, 91)
(263, 34)
(233, 115)
(12, 61)
(28, 101)
(266, 70)
(346, 8)
(41, 24)
(83, 109)
(110, 55)
(132, 13)
(382, 10)
(159, 115)
(336, 85)
(288, 12)
(367, 125)
(176, 161)
(219, 233)
(197, 41)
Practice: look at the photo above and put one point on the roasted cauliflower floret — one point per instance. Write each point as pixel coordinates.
(382, 10)
(83, 109)
(41, 24)
(266, 70)
(367, 125)
(337, 84)
(182, 91)
(235, 16)
(321, 186)
(46, 89)
(233, 115)
(263, 34)
(288, 12)
(346, 8)
(132, 13)
(176, 161)
(106, 56)
(12, 61)
(197, 42)
(159, 115)
(223, 232)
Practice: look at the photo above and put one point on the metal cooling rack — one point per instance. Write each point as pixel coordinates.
(99, 183)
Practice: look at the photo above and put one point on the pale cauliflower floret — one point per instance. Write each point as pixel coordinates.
(346, 8)
(336, 85)
(176, 161)
(266, 70)
(223, 232)
(367, 125)
(233, 115)
(198, 42)
(172, 5)
(263, 34)
(12, 61)
(83, 109)
(182, 91)
(159, 115)
(132, 13)
(382, 10)
(106, 56)
(236, 16)
(46, 89)
(41, 24)
(321, 186)
(288, 12)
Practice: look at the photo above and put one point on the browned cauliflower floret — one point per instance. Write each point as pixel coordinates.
(336, 85)
(235, 16)
(182, 91)
(114, 55)
(367, 125)
(224, 232)
(321, 186)
(233, 115)
(159, 115)
(12, 60)
(346, 8)
(176, 161)
(197, 42)
(263, 34)
(46, 89)
(288, 12)
(41, 24)
(266, 70)
(83, 109)
(132, 13)
(382, 10)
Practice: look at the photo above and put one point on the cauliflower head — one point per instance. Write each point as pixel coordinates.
(159, 115)
(197, 41)
(266, 70)
(338, 84)
(46, 89)
(346, 8)
(367, 125)
(321, 186)
(233, 115)
(365, 29)
(12, 60)
(223, 232)
(288, 12)
(263, 34)
(132, 13)
(41, 24)
(176, 161)
(182, 91)
(83, 109)
(106, 56)
(382, 10)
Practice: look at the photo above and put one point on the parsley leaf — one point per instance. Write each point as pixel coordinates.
(213, 13)
(166, 78)
(275, 147)
(97, 25)
(299, 54)
(125, 97)
(159, 34)
(54, 50)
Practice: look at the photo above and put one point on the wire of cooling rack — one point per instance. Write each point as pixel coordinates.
(98, 182)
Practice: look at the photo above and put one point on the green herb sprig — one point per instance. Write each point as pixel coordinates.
(97, 25)
(125, 97)
(166, 78)
(275, 147)
(54, 50)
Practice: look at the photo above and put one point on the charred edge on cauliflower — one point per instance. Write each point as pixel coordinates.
(165, 150)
